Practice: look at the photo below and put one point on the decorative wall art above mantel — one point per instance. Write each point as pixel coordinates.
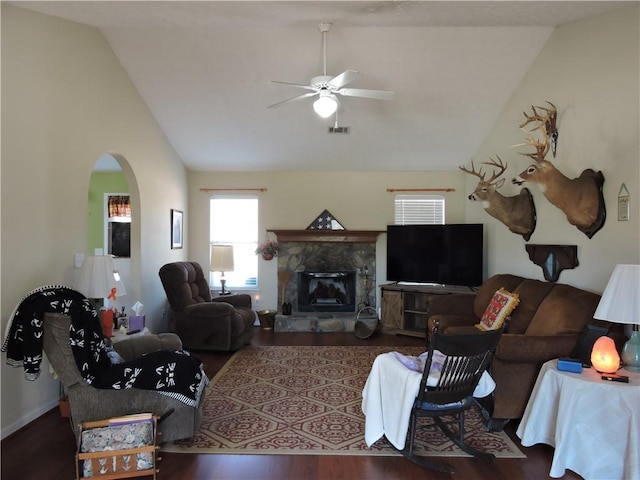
(352, 236)
(325, 221)
(326, 228)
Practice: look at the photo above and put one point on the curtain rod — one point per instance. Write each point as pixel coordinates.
(233, 189)
(421, 189)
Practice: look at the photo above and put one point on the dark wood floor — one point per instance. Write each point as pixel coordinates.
(45, 448)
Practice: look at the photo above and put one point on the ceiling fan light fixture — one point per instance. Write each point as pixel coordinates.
(326, 105)
(327, 87)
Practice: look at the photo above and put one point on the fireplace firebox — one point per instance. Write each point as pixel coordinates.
(327, 291)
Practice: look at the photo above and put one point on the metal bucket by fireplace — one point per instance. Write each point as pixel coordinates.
(367, 323)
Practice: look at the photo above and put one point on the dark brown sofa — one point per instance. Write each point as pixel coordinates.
(545, 325)
(202, 322)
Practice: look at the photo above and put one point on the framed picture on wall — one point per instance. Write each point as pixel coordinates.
(177, 229)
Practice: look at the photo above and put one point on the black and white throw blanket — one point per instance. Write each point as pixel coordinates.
(175, 374)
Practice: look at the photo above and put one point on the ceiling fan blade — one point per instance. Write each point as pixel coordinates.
(359, 92)
(306, 87)
(344, 78)
(299, 97)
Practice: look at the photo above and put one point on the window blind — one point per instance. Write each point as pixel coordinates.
(419, 209)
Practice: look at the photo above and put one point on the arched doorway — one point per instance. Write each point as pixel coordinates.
(112, 176)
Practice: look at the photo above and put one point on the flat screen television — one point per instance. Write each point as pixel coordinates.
(437, 254)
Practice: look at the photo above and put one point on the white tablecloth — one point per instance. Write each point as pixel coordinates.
(592, 423)
(388, 396)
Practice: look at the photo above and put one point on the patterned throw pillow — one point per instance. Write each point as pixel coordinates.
(499, 308)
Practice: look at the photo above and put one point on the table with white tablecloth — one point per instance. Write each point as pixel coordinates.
(592, 423)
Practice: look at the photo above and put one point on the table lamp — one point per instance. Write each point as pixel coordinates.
(222, 261)
(620, 303)
(98, 280)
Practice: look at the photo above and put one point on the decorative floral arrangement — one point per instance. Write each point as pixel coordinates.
(268, 250)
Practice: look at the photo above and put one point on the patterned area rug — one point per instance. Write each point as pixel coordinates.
(307, 400)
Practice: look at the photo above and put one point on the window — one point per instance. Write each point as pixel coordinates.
(118, 224)
(419, 209)
(234, 221)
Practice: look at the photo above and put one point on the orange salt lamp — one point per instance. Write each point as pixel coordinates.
(604, 356)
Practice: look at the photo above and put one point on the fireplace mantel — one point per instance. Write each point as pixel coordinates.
(327, 235)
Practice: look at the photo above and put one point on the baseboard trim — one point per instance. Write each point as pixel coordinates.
(30, 417)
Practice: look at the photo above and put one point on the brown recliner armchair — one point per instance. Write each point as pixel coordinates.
(204, 323)
(545, 325)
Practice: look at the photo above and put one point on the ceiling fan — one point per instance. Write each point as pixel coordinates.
(327, 87)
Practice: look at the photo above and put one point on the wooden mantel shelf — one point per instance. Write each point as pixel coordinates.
(364, 236)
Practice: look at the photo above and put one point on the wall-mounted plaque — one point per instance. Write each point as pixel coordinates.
(623, 204)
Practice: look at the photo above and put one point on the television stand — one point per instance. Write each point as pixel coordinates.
(405, 307)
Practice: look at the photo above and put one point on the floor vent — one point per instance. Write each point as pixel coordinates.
(344, 130)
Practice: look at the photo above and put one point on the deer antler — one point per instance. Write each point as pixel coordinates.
(548, 120)
(542, 147)
(499, 165)
(478, 174)
(546, 123)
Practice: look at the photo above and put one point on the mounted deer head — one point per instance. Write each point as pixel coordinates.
(580, 198)
(518, 213)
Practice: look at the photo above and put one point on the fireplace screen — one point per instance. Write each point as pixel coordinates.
(326, 291)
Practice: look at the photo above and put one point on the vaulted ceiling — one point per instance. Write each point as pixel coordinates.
(203, 68)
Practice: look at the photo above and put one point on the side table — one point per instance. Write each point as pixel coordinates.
(592, 423)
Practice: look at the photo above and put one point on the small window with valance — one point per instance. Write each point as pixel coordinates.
(119, 206)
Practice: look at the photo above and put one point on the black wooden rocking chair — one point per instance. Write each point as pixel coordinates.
(463, 358)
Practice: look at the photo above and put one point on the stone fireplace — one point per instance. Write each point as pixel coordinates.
(326, 271)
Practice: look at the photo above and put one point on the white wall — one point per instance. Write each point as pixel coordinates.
(358, 200)
(590, 71)
(65, 101)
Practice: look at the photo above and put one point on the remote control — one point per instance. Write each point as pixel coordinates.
(615, 378)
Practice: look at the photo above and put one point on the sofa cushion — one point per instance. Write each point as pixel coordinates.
(461, 330)
(446, 322)
(565, 310)
(531, 293)
(136, 346)
(499, 308)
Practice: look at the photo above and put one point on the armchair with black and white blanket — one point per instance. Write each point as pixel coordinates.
(176, 374)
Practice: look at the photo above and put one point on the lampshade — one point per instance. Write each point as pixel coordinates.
(221, 258)
(100, 279)
(620, 303)
(326, 105)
